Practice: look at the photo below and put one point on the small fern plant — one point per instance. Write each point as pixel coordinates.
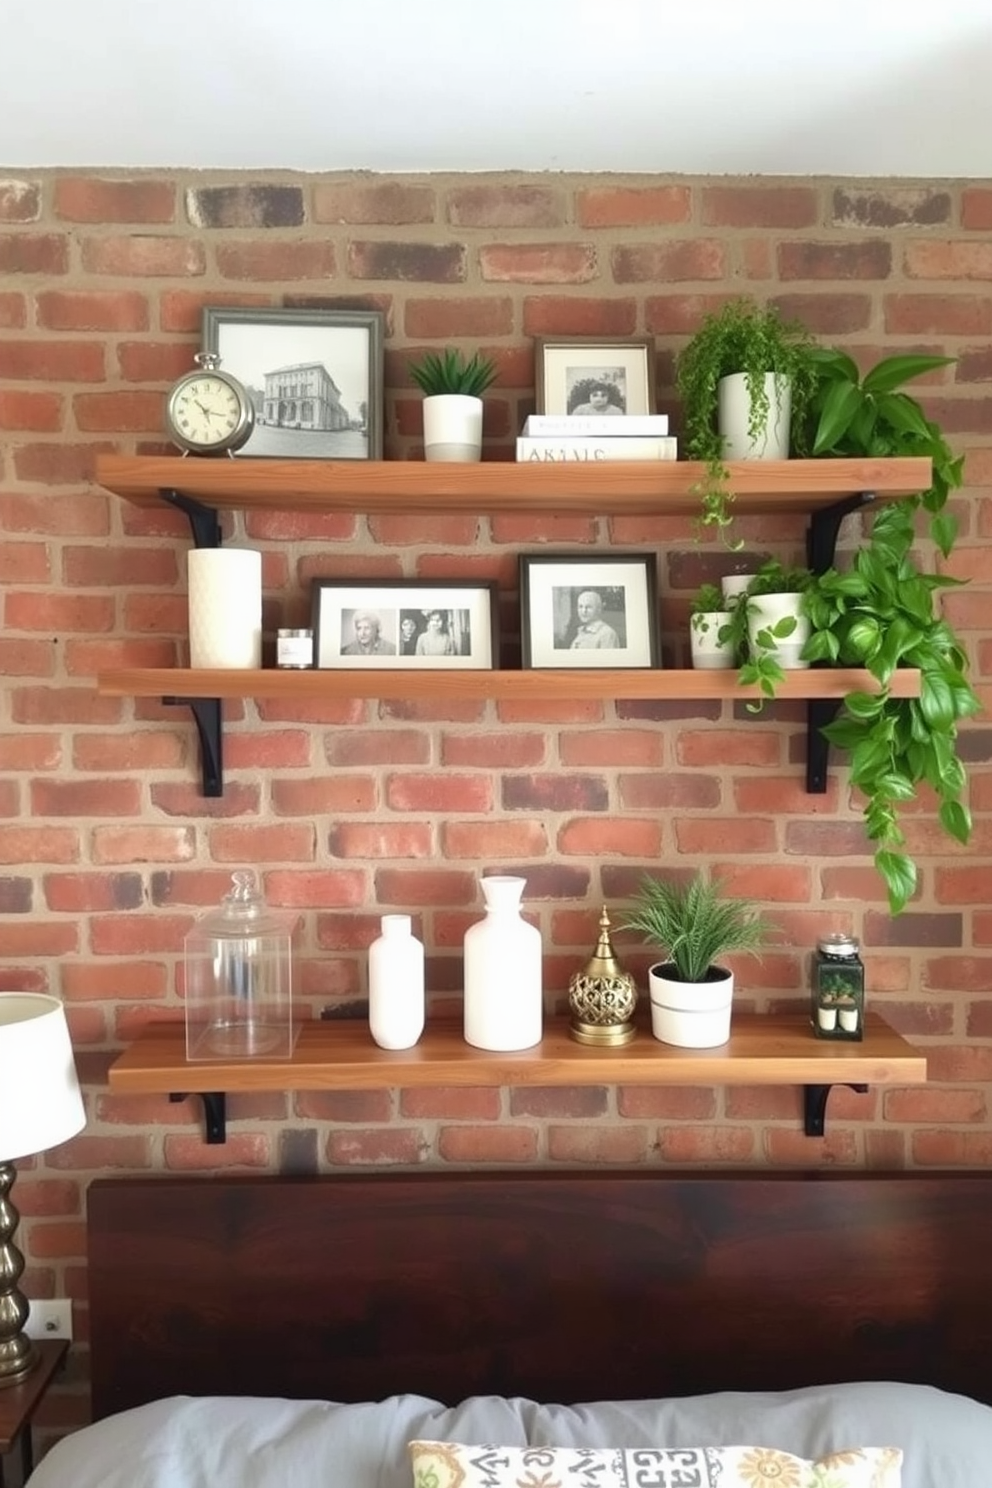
(695, 924)
(450, 372)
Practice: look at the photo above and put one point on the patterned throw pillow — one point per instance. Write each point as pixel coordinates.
(452, 1465)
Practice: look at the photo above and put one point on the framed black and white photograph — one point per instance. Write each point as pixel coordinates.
(575, 375)
(589, 612)
(405, 623)
(315, 378)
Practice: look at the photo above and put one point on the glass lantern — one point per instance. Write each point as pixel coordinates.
(239, 979)
(838, 990)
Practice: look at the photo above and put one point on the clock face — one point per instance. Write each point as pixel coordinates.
(207, 413)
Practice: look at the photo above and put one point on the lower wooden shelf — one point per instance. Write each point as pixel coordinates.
(764, 1049)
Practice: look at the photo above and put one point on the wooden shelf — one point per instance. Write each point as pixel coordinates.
(512, 686)
(764, 1049)
(617, 487)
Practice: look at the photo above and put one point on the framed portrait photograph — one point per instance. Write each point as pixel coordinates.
(405, 623)
(589, 612)
(573, 374)
(315, 379)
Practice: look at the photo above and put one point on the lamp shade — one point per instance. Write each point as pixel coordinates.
(40, 1103)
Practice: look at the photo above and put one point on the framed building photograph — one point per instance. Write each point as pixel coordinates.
(589, 612)
(315, 378)
(405, 623)
(573, 374)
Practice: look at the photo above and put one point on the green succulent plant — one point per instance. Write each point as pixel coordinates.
(449, 372)
(696, 923)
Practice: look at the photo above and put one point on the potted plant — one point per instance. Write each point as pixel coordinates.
(694, 925)
(745, 380)
(776, 620)
(453, 386)
(710, 638)
(883, 613)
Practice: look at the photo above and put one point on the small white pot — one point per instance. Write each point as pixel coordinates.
(690, 1015)
(734, 414)
(826, 1017)
(709, 653)
(732, 586)
(452, 427)
(768, 609)
(848, 1019)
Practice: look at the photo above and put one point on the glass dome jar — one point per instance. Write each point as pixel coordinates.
(838, 988)
(239, 979)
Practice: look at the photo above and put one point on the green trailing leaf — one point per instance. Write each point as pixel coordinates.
(899, 874)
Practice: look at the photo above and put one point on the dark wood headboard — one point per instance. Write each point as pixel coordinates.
(557, 1286)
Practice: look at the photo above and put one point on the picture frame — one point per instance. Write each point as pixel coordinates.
(315, 378)
(390, 624)
(567, 369)
(561, 626)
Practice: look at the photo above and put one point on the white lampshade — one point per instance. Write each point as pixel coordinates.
(40, 1103)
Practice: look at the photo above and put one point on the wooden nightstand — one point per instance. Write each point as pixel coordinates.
(19, 1402)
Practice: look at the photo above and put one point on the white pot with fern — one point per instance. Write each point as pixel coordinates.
(453, 388)
(694, 924)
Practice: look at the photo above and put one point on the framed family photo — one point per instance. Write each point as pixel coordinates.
(315, 378)
(589, 612)
(404, 623)
(575, 375)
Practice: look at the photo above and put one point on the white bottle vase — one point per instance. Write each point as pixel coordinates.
(503, 981)
(396, 985)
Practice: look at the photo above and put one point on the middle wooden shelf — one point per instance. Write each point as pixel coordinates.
(584, 682)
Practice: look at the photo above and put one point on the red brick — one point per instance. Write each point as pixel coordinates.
(316, 797)
(503, 205)
(390, 203)
(494, 840)
(871, 259)
(502, 751)
(13, 311)
(258, 843)
(633, 206)
(87, 199)
(82, 893)
(23, 751)
(23, 658)
(754, 745)
(92, 310)
(451, 1103)
(759, 206)
(696, 835)
(54, 361)
(667, 263)
(555, 315)
(58, 612)
(616, 747)
(263, 262)
(34, 253)
(61, 464)
(98, 413)
(612, 837)
(934, 1107)
(20, 201)
(937, 315)
(378, 747)
(38, 413)
(446, 792)
(438, 263)
(398, 1148)
(476, 1145)
(827, 313)
(360, 840)
(143, 844)
(153, 361)
(705, 1145)
(925, 258)
(976, 208)
(137, 256)
(538, 263)
(23, 845)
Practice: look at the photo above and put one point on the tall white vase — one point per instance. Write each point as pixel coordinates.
(734, 414)
(503, 981)
(396, 985)
(225, 607)
(452, 427)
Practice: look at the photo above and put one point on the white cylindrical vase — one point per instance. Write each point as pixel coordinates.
(452, 427)
(733, 418)
(396, 984)
(503, 972)
(225, 608)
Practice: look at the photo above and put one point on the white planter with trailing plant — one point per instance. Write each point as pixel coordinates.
(710, 638)
(749, 433)
(694, 924)
(778, 625)
(453, 408)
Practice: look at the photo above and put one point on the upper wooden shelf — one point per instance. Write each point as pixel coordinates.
(510, 686)
(764, 1049)
(611, 488)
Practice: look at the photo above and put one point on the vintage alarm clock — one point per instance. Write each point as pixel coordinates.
(208, 412)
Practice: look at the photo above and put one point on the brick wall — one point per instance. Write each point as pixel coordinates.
(107, 849)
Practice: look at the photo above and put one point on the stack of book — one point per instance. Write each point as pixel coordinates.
(565, 437)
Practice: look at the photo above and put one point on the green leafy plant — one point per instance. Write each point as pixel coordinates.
(707, 600)
(449, 372)
(695, 924)
(760, 665)
(884, 614)
(740, 337)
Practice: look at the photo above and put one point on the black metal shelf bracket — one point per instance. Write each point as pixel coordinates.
(821, 549)
(205, 526)
(203, 520)
(214, 1114)
(815, 1107)
(207, 715)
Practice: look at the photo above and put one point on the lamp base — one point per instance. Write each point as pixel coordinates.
(18, 1355)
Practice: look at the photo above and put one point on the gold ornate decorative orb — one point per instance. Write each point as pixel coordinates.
(602, 996)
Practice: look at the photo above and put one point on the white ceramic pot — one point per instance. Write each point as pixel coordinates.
(765, 610)
(452, 427)
(827, 1018)
(690, 1015)
(734, 414)
(709, 653)
(848, 1019)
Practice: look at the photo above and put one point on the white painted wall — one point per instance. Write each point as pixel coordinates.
(839, 87)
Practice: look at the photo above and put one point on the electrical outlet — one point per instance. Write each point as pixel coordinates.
(50, 1319)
